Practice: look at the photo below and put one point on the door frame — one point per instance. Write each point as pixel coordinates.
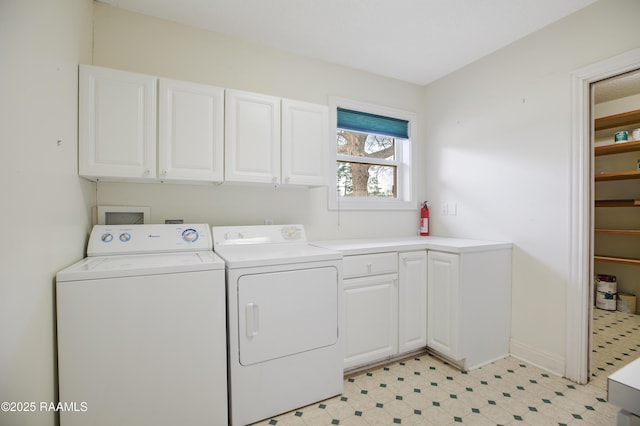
(579, 287)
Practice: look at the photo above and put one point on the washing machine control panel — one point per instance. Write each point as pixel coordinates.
(131, 239)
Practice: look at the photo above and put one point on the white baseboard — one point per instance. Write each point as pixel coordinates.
(545, 360)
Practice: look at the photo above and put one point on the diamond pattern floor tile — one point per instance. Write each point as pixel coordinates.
(425, 391)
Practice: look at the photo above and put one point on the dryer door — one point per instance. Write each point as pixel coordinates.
(287, 312)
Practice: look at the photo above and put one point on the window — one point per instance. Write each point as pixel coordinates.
(372, 157)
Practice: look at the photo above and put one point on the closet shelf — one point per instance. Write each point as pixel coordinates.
(621, 260)
(626, 120)
(617, 148)
(617, 203)
(617, 120)
(626, 175)
(618, 231)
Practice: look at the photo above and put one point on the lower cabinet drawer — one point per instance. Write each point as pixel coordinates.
(370, 264)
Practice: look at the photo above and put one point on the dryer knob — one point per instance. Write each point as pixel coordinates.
(190, 235)
(106, 238)
(125, 236)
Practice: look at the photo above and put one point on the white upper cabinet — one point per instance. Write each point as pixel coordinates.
(137, 127)
(275, 141)
(252, 143)
(191, 132)
(119, 113)
(304, 143)
(117, 124)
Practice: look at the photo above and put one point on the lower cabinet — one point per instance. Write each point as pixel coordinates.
(385, 305)
(412, 292)
(371, 320)
(456, 304)
(469, 305)
(443, 286)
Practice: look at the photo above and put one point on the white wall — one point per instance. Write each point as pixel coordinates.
(45, 206)
(134, 42)
(498, 143)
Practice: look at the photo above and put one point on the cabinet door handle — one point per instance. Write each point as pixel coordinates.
(369, 267)
(252, 318)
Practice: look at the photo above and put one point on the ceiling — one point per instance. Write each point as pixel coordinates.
(417, 41)
(617, 87)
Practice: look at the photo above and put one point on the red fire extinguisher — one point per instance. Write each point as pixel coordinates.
(424, 219)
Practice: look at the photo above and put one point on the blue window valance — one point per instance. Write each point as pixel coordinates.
(371, 123)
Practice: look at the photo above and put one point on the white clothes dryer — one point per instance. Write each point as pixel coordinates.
(284, 320)
(142, 329)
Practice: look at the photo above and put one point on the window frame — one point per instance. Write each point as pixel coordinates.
(405, 149)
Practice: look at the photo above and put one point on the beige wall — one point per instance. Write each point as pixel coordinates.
(45, 206)
(498, 136)
(139, 43)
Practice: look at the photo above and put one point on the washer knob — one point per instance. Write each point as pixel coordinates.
(190, 235)
(125, 236)
(106, 238)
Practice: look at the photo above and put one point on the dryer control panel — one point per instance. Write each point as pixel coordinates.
(258, 234)
(106, 240)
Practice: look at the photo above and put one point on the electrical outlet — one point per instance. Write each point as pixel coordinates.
(445, 209)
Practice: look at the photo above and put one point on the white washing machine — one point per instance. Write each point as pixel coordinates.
(284, 320)
(142, 329)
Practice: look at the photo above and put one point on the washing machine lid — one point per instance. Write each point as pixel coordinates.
(266, 245)
(97, 267)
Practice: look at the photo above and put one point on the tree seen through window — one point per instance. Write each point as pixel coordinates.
(366, 165)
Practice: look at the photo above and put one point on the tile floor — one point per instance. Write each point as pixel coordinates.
(425, 391)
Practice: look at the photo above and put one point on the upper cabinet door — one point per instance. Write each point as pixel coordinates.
(252, 125)
(117, 124)
(191, 132)
(304, 143)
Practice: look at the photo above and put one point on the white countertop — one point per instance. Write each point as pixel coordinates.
(376, 245)
(623, 387)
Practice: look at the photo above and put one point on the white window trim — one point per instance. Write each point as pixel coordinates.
(407, 193)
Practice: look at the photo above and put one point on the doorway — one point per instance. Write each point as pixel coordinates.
(579, 288)
(615, 146)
